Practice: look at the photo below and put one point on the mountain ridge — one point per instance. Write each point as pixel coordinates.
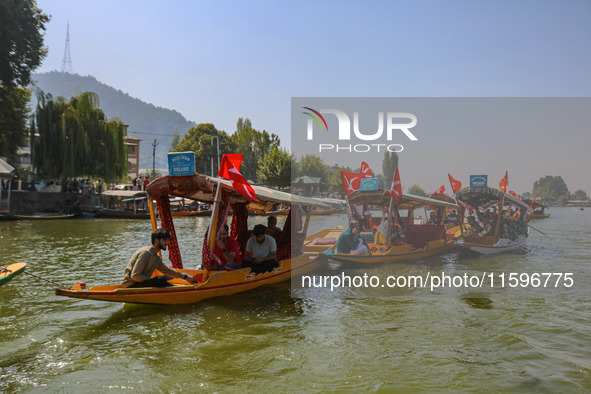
(145, 120)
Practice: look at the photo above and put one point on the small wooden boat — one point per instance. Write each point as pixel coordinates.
(186, 214)
(505, 234)
(123, 204)
(422, 240)
(121, 214)
(8, 273)
(212, 283)
(42, 216)
(537, 210)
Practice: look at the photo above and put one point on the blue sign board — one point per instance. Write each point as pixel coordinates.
(478, 180)
(369, 184)
(181, 163)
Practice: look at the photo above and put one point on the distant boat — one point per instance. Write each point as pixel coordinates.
(581, 209)
(42, 216)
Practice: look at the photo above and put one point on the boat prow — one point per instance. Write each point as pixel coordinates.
(10, 272)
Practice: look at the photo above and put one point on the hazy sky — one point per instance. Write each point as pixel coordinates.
(215, 61)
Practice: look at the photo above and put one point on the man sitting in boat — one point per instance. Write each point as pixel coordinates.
(261, 251)
(272, 228)
(146, 260)
(389, 234)
(227, 250)
(350, 242)
(433, 218)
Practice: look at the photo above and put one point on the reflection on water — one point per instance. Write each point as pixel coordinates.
(267, 340)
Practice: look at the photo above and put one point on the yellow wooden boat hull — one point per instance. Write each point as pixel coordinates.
(218, 284)
(394, 254)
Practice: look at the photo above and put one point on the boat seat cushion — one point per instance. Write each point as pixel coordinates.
(324, 241)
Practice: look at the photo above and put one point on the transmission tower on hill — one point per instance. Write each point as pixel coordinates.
(67, 61)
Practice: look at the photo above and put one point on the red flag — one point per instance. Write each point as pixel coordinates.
(230, 169)
(455, 185)
(365, 171)
(536, 198)
(396, 190)
(441, 190)
(520, 197)
(351, 182)
(511, 192)
(504, 183)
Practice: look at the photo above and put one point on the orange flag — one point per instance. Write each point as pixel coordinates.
(365, 171)
(441, 190)
(396, 190)
(351, 182)
(455, 185)
(504, 183)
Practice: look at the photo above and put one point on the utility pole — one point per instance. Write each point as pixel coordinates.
(154, 145)
(217, 137)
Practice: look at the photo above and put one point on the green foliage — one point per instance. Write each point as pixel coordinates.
(275, 168)
(389, 164)
(13, 118)
(550, 186)
(21, 51)
(176, 138)
(75, 140)
(253, 145)
(313, 166)
(199, 140)
(417, 190)
(335, 183)
(579, 195)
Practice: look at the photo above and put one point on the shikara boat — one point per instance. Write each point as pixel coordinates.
(214, 283)
(490, 206)
(537, 209)
(123, 204)
(42, 216)
(422, 240)
(8, 273)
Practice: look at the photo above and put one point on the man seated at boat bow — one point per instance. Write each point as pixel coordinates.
(146, 260)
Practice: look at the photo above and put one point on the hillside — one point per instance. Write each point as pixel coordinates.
(146, 121)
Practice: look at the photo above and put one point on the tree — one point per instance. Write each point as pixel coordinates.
(313, 166)
(579, 195)
(275, 168)
(176, 138)
(335, 183)
(75, 140)
(417, 190)
(199, 140)
(253, 145)
(550, 186)
(389, 164)
(21, 51)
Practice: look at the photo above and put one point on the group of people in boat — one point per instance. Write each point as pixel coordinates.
(260, 256)
(484, 223)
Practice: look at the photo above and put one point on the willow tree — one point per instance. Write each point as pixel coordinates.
(74, 139)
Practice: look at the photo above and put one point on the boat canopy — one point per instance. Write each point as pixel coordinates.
(407, 201)
(202, 188)
(477, 196)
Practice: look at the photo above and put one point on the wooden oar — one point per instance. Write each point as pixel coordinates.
(529, 225)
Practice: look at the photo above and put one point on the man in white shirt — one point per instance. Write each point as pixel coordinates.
(261, 251)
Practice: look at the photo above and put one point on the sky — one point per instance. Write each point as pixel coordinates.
(216, 61)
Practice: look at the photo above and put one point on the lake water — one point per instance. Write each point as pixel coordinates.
(485, 340)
